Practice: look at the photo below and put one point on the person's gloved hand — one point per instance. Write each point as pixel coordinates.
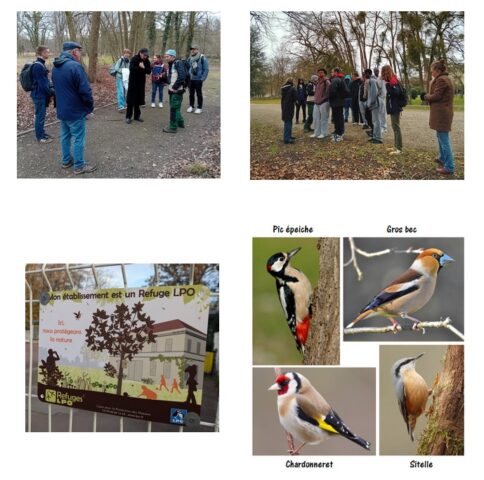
(422, 96)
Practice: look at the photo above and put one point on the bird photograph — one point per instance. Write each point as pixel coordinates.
(285, 273)
(403, 282)
(314, 411)
(407, 377)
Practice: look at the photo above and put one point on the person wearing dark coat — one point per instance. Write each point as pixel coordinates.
(338, 91)
(310, 90)
(288, 102)
(441, 101)
(139, 68)
(393, 105)
(355, 99)
(301, 95)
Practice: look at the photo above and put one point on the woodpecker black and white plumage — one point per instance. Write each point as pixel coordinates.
(295, 293)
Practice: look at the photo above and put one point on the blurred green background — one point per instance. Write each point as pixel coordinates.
(273, 343)
(394, 439)
(351, 392)
(378, 272)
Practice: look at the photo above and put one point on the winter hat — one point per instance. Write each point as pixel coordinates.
(314, 78)
(171, 52)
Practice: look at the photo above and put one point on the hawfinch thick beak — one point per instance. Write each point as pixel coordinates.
(293, 252)
(445, 259)
(274, 387)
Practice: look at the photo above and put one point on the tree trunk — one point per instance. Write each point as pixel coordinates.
(93, 45)
(166, 32)
(444, 433)
(191, 32)
(178, 19)
(119, 387)
(71, 27)
(151, 30)
(124, 19)
(322, 347)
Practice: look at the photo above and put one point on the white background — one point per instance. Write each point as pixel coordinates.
(52, 220)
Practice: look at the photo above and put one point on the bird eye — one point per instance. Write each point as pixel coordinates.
(281, 259)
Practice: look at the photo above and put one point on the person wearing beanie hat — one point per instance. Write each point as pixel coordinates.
(74, 103)
(198, 74)
(139, 67)
(176, 89)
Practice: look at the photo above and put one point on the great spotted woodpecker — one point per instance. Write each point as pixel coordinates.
(295, 294)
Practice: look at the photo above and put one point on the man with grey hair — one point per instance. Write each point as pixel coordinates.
(74, 103)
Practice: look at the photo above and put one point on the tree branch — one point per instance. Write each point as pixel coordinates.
(419, 326)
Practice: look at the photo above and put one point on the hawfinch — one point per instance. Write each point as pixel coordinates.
(411, 391)
(409, 292)
(305, 415)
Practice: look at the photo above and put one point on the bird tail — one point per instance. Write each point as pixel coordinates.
(361, 316)
(360, 441)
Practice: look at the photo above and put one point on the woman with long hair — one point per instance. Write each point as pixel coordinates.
(394, 101)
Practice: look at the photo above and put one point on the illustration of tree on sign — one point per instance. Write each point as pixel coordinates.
(122, 334)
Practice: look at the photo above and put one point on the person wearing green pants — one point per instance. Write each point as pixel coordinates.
(176, 89)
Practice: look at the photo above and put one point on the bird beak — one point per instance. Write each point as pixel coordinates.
(445, 259)
(418, 356)
(274, 387)
(293, 252)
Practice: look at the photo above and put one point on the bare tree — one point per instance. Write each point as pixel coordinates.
(71, 26)
(93, 45)
(191, 31)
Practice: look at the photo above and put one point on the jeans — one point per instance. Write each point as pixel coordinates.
(347, 107)
(339, 121)
(176, 119)
(383, 114)
(75, 130)
(355, 110)
(154, 87)
(287, 131)
(120, 93)
(368, 118)
(397, 132)
(196, 86)
(446, 155)
(309, 118)
(40, 108)
(300, 106)
(363, 112)
(376, 119)
(321, 118)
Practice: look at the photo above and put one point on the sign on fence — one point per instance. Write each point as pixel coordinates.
(136, 352)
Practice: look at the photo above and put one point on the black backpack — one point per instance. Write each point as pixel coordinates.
(26, 78)
(402, 96)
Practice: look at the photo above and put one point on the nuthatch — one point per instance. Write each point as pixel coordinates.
(411, 390)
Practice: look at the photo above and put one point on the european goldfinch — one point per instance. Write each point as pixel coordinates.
(305, 415)
(409, 292)
(411, 390)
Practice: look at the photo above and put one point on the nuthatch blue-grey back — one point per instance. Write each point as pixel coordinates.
(411, 390)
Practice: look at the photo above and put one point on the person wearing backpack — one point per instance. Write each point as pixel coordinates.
(382, 95)
(310, 90)
(177, 76)
(198, 71)
(441, 101)
(41, 92)
(158, 80)
(338, 92)
(139, 67)
(321, 105)
(348, 100)
(355, 101)
(117, 72)
(74, 103)
(301, 99)
(393, 106)
(288, 103)
(373, 105)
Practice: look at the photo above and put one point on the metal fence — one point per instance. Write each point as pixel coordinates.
(93, 270)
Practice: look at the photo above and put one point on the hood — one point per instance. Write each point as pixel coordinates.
(62, 58)
(286, 85)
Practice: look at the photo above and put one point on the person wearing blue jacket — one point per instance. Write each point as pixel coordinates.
(41, 92)
(198, 74)
(74, 103)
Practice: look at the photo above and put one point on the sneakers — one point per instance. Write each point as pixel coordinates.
(372, 140)
(45, 140)
(68, 164)
(190, 109)
(128, 121)
(139, 119)
(313, 136)
(396, 152)
(121, 109)
(444, 171)
(320, 136)
(169, 130)
(153, 105)
(160, 104)
(198, 110)
(85, 169)
(337, 138)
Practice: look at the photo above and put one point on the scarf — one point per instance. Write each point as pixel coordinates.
(194, 60)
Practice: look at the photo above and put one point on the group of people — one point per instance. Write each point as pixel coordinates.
(71, 92)
(371, 98)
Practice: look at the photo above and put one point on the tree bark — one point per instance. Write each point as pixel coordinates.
(322, 347)
(444, 433)
(71, 27)
(151, 30)
(167, 31)
(191, 32)
(178, 20)
(93, 45)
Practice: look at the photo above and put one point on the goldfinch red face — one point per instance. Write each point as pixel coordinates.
(287, 384)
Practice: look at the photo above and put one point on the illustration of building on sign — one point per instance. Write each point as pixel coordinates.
(177, 345)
